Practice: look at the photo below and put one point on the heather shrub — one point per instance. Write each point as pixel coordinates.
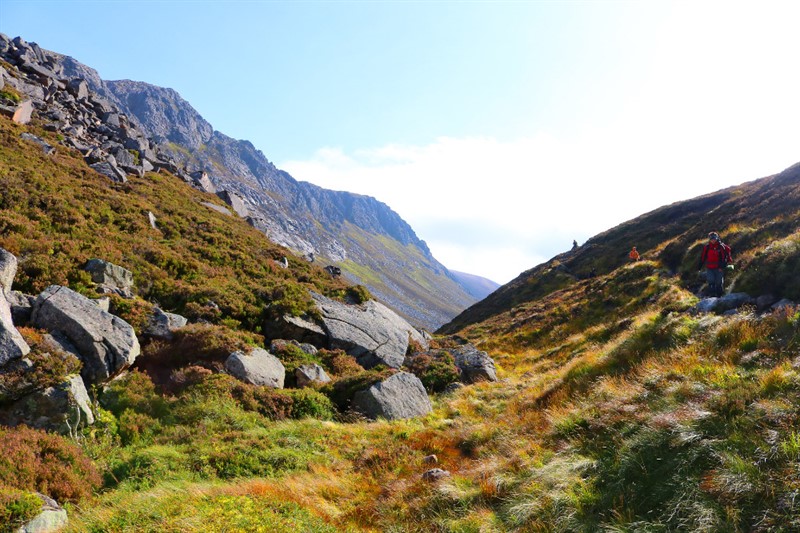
(134, 311)
(134, 392)
(436, 370)
(309, 403)
(34, 460)
(51, 366)
(290, 298)
(205, 342)
(137, 428)
(339, 363)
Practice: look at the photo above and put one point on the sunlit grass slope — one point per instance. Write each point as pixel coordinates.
(617, 409)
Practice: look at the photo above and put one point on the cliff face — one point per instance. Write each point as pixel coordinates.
(371, 243)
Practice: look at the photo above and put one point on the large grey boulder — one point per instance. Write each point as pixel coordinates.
(371, 332)
(734, 300)
(474, 364)
(12, 345)
(106, 344)
(399, 396)
(259, 367)
(63, 408)
(52, 517)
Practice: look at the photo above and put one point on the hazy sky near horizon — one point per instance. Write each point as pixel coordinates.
(500, 131)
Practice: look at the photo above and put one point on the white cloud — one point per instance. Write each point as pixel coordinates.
(716, 105)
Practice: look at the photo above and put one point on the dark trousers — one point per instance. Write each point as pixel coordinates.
(715, 280)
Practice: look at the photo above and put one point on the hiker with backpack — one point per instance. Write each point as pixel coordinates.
(716, 257)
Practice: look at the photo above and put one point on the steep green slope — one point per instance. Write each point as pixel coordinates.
(56, 214)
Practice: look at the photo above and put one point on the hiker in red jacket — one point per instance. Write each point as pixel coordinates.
(716, 257)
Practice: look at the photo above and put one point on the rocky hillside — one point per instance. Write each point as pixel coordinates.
(164, 367)
(362, 236)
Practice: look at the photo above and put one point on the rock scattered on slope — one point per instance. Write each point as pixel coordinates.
(12, 345)
(309, 374)
(371, 332)
(474, 364)
(63, 408)
(259, 367)
(162, 324)
(51, 517)
(106, 344)
(397, 397)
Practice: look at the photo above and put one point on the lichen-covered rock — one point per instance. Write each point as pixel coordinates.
(106, 344)
(371, 332)
(259, 367)
(12, 345)
(397, 397)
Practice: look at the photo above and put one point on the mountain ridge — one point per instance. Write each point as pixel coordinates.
(296, 214)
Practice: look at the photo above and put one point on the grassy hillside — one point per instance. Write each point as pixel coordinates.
(57, 214)
(750, 217)
(617, 409)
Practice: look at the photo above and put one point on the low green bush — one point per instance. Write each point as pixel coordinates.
(16, 508)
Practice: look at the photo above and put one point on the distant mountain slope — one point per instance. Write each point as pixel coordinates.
(749, 217)
(371, 243)
(476, 286)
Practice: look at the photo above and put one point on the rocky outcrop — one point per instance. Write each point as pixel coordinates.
(399, 396)
(125, 128)
(259, 367)
(63, 408)
(474, 364)
(105, 343)
(371, 332)
(12, 345)
(310, 374)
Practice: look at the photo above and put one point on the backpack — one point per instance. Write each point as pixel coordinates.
(724, 255)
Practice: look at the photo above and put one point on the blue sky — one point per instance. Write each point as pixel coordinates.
(500, 131)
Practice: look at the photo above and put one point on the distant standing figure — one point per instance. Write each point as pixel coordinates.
(715, 257)
(634, 255)
(574, 244)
